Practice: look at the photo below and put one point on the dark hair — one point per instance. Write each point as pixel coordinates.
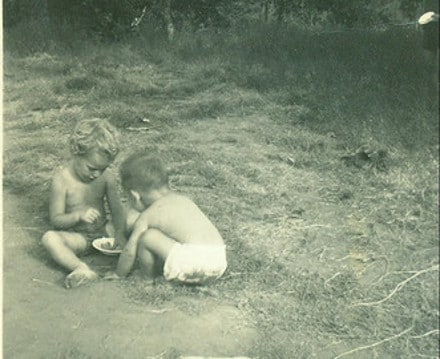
(141, 172)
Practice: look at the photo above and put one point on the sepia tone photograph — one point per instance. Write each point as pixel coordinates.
(220, 179)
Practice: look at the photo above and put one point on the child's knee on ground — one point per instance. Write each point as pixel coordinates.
(146, 260)
(150, 263)
(55, 241)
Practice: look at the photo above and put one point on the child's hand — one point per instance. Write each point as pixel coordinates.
(119, 243)
(116, 246)
(89, 215)
(111, 276)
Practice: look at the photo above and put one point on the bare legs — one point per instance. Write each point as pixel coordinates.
(63, 248)
(153, 248)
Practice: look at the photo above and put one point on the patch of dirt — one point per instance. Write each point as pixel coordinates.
(41, 319)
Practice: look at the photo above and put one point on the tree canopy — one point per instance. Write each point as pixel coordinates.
(116, 17)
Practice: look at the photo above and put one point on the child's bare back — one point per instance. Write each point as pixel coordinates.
(181, 219)
(171, 228)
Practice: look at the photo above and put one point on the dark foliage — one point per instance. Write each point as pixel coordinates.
(116, 18)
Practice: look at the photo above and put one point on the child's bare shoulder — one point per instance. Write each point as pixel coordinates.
(177, 199)
(60, 181)
(171, 203)
(61, 175)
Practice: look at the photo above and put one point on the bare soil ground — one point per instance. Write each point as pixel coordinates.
(41, 319)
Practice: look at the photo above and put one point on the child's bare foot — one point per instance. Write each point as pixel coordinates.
(110, 275)
(81, 275)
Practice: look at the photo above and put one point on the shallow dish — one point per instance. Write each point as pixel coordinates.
(426, 18)
(104, 245)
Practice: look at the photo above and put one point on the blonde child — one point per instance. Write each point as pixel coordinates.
(78, 194)
(171, 228)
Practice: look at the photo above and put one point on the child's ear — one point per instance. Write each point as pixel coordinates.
(136, 195)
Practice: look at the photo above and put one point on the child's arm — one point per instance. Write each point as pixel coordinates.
(117, 211)
(57, 207)
(128, 255)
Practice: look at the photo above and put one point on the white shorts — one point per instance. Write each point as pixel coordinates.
(195, 263)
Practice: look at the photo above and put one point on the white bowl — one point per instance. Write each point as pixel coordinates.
(427, 17)
(104, 244)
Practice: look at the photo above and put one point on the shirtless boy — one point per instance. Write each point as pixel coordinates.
(78, 194)
(171, 228)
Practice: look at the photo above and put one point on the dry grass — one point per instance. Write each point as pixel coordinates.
(258, 140)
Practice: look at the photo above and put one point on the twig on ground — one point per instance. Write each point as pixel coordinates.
(322, 254)
(381, 278)
(42, 281)
(397, 288)
(76, 326)
(137, 129)
(343, 258)
(374, 344)
(159, 311)
(432, 332)
(368, 256)
(332, 277)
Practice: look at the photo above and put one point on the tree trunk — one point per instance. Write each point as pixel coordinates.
(168, 19)
(265, 10)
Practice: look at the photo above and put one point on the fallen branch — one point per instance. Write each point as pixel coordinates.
(374, 344)
(381, 278)
(397, 288)
(137, 20)
(435, 331)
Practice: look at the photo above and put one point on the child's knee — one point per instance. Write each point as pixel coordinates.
(50, 239)
(150, 235)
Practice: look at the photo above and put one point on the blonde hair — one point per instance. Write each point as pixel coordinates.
(94, 134)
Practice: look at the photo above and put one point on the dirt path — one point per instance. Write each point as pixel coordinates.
(41, 319)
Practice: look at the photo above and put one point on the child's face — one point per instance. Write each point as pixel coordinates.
(90, 166)
(135, 201)
(141, 201)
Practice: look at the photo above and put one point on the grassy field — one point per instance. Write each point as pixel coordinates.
(316, 155)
